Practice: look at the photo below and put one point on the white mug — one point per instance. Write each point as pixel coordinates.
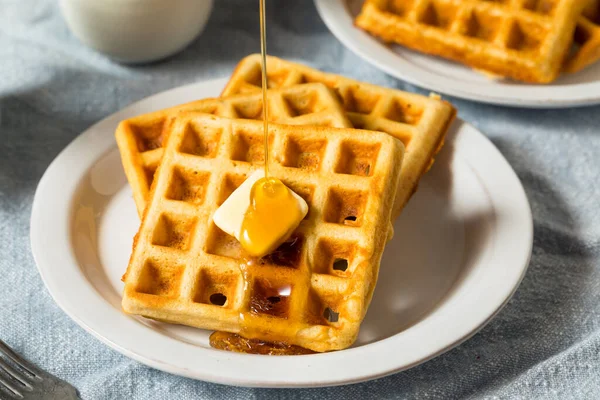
(136, 31)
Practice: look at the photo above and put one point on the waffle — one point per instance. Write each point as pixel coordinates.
(140, 139)
(314, 290)
(419, 122)
(586, 43)
(525, 40)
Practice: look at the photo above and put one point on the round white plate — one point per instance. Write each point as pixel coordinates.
(439, 75)
(459, 252)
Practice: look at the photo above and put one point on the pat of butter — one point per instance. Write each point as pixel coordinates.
(230, 215)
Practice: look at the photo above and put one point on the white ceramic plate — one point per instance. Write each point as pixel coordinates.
(460, 250)
(439, 75)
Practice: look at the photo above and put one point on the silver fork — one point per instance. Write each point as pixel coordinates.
(19, 379)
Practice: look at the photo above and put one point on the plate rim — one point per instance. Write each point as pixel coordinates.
(336, 17)
(49, 206)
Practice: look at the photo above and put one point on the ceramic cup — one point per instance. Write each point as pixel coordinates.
(136, 31)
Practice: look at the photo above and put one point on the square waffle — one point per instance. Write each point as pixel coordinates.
(525, 40)
(420, 122)
(140, 139)
(586, 43)
(314, 290)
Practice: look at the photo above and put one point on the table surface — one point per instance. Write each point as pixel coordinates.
(545, 344)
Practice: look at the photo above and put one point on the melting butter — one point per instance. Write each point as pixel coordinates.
(261, 214)
(273, 215)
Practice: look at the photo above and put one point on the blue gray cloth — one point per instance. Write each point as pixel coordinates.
(544, 345)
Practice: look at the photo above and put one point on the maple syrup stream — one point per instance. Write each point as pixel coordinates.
(231, 341)
(263, 53)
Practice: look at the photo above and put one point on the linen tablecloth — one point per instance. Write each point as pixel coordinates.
(544, 345)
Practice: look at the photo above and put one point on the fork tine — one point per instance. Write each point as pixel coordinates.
(25, 365)
(4, 366)
(9, 386)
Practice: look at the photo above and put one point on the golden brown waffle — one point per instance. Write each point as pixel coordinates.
(420, 122)
(525, 40)
(315, 289)
(140, 139)
(586, 43)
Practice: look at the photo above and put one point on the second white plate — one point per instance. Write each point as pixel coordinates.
(439, 75)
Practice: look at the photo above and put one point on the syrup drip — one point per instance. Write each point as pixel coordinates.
(263, 53)
(266, 300)
(272, 209)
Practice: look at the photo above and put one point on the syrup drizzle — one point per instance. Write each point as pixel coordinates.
(231, 341)
(263, 53)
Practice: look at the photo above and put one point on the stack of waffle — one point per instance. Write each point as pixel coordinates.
(354, 151)
(527, 40)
